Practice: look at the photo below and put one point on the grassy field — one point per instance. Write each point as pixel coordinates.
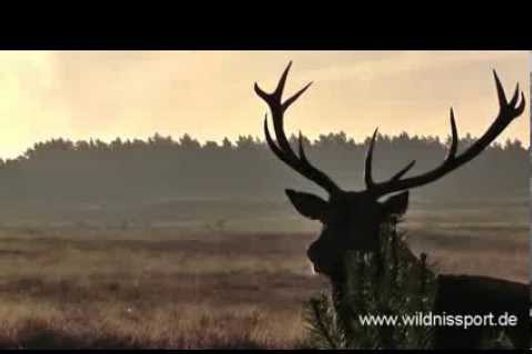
(210, 287)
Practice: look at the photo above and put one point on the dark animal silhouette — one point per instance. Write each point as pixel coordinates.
(351, 219)
(478, 295)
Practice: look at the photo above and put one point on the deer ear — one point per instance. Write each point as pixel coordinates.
(308, 205)
(396, 204)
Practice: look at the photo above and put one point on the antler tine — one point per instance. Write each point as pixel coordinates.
(402, 172)
(277, 107)
(282, 148)
(454, 138)
(515, 97)
(295, 96)
(368, 165)
(508, 111)
(500, 90)
(368, 178)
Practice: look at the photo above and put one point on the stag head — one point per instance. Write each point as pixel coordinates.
(351, 219)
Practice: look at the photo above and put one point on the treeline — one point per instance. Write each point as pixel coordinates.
(163, 168)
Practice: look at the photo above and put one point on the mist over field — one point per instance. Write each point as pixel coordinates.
(167, 181)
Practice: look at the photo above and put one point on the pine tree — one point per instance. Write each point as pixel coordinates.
(387, 283)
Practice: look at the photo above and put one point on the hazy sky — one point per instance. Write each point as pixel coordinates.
(79, 95)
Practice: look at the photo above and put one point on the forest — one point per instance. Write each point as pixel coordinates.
(163, 168)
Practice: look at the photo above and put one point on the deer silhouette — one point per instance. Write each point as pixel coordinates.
(352, 219)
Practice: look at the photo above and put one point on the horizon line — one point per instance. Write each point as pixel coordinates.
(256, 139)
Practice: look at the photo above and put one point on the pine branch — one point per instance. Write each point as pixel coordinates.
(379, 284)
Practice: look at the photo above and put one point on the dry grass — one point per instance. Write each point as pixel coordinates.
(106, 291)
(121, 325)
(162, 288)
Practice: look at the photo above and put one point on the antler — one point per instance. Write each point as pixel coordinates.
(508, 111)
(283, 149)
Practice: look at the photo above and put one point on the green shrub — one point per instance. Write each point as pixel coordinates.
(387, 283)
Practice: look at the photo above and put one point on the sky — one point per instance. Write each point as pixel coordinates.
(209, 94)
